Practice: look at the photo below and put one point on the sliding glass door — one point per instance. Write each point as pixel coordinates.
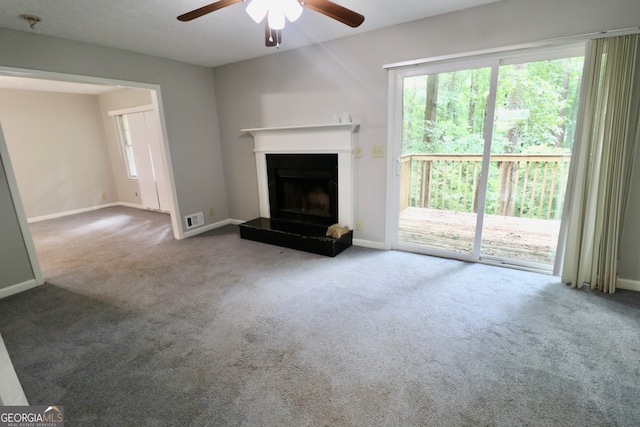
(443, 140)
(535, 115)
(484, 153)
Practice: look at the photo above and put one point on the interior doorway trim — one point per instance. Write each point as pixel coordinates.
(156, 95)
(38, 278)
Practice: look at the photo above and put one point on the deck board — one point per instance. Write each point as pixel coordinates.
(524, 239)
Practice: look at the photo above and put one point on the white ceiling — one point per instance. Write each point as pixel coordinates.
(225, 36)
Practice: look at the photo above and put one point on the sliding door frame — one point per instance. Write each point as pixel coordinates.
(395, 130)
(396, 149)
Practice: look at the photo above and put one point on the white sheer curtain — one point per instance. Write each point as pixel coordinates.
(603, 160)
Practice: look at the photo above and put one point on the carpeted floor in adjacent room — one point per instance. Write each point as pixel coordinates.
(134, 328)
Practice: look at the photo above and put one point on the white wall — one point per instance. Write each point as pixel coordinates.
(14, 259)
(58, 150)
(306, 86)
(19, 270)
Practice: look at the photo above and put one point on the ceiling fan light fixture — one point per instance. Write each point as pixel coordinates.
(258, 9)
(275, 10)
(276, 19)
(292, 9)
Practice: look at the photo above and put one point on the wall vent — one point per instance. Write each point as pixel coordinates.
(194, 220)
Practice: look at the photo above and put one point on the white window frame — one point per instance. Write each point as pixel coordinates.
(120, 134)
(125, 146)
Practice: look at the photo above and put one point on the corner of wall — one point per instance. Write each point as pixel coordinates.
(11, 393)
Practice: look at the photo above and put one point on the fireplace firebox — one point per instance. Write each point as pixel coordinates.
(303, 187)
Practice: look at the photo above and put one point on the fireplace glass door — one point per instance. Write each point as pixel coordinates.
(303, 188)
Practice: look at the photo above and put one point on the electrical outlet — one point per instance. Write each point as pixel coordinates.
(358, 152)
(210, 211)
(104, 196)
(376, 151)
(358, 225)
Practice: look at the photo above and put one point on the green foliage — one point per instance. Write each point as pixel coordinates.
(461, 106)
(535, 113)
(538, 100)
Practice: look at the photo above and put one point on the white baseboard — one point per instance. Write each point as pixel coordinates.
(11, 393)
(369, 244)
(630, 285)
(17, 288)
(83, 210)
(206, 228)
(127, 205)
(236, 221)
(73, 212)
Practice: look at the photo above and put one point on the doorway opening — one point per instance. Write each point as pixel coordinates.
(56, 84)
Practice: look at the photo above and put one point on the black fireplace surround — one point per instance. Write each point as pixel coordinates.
(303, 201)
(303, 187)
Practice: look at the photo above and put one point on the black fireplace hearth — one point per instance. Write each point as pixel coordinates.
(295, 235)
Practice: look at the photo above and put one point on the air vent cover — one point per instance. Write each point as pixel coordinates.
(194, 220)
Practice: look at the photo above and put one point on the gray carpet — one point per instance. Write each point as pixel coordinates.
(134, 328)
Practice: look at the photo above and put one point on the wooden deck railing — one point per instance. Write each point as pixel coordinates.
(521, 185)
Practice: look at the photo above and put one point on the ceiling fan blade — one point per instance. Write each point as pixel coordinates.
(207, 9)
(335, 11)
(271, 37)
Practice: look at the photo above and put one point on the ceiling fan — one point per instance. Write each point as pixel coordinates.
(275, 12)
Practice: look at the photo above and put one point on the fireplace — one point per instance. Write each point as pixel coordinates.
(305, 184)
(303, 187)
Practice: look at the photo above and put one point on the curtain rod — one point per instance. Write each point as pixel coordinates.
(542, 43)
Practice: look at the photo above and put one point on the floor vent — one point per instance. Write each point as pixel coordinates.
(194, 220)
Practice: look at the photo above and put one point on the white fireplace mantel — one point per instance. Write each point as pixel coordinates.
(317, 139)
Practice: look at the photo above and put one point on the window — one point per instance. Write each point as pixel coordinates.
(125, 139)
